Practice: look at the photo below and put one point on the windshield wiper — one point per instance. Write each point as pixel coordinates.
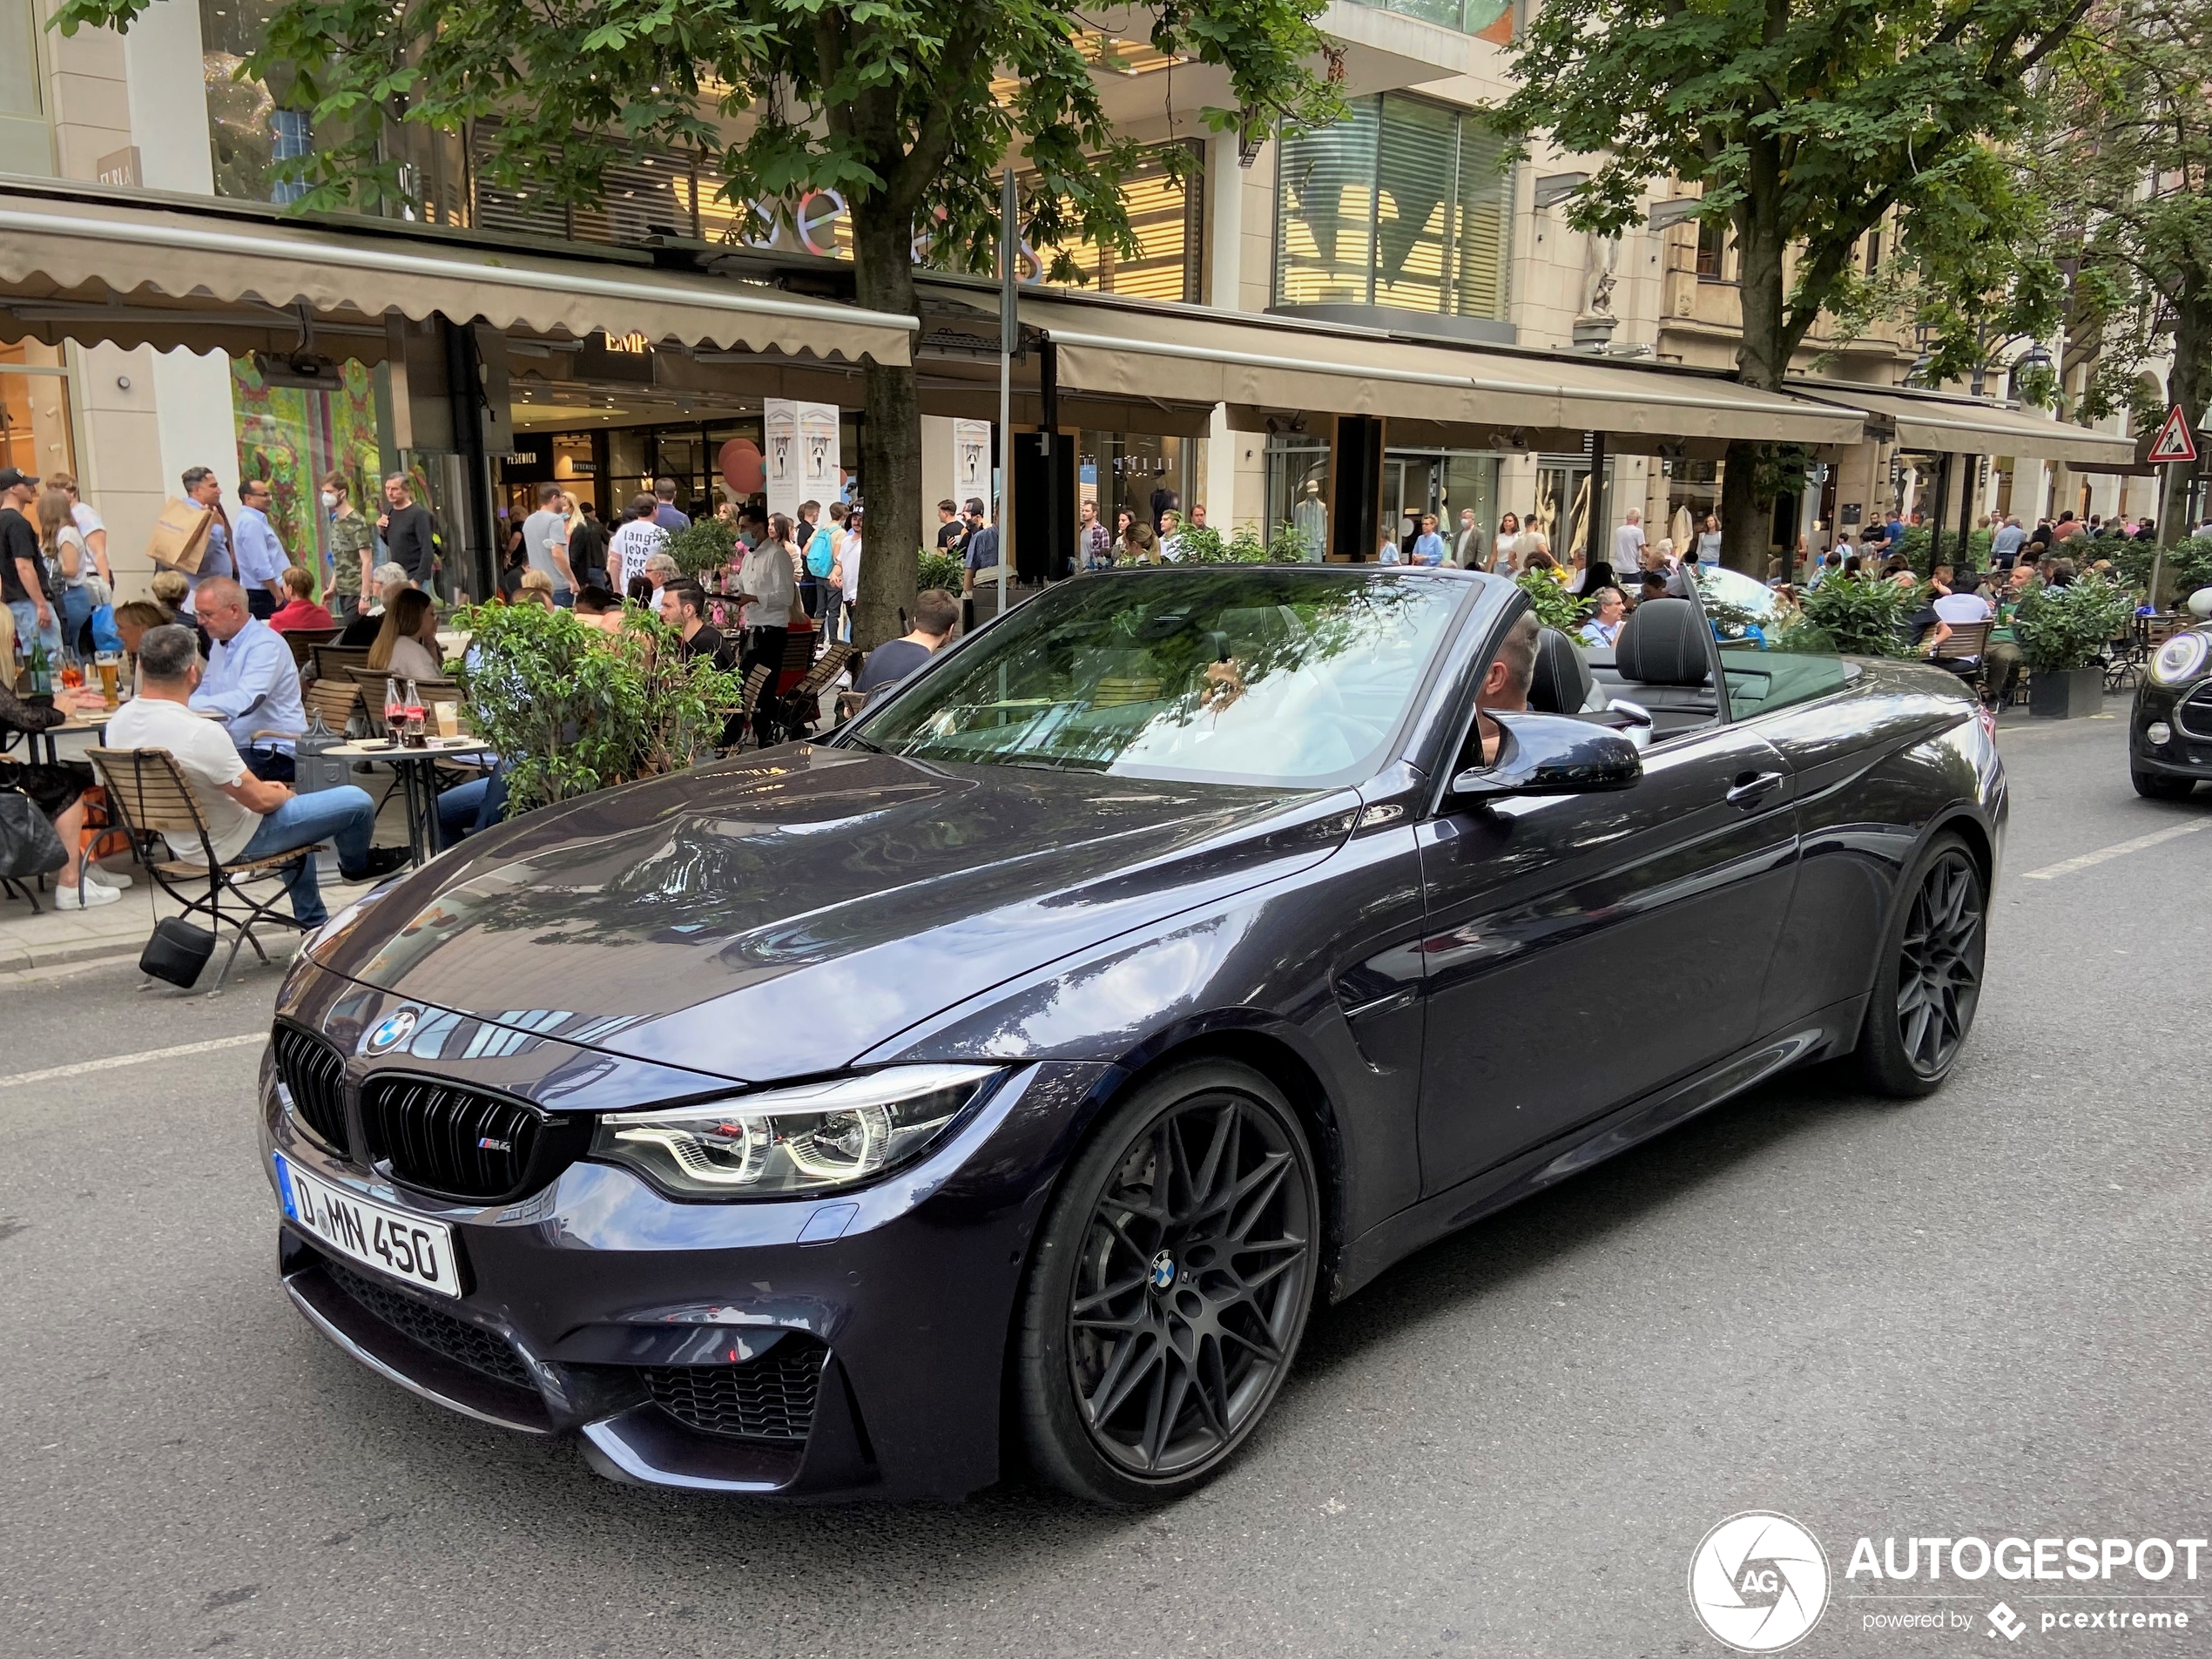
(859, 742)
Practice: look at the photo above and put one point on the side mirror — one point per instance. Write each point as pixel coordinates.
(1549, 754)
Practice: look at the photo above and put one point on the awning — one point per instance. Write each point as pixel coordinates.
(91, 270)
(1965, 426)
(1268, 364)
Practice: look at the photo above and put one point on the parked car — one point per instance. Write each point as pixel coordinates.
(1011, 1076)
(2169, 728)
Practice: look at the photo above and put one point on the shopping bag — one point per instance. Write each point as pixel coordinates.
(180, 536)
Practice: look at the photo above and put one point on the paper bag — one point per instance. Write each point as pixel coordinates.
(180, 538)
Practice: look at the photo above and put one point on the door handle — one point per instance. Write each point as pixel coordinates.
(1751, 786)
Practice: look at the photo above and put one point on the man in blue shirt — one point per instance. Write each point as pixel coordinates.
(982, 552)
(1429, 546)
(2005, 546)
(200, 485)
(251, 684)
(261, 559)
(667, 514)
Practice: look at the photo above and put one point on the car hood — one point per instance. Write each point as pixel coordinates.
(779, 915)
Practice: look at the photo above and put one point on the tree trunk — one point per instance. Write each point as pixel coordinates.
(1762, 360)
(890, 435)
(2189, 384)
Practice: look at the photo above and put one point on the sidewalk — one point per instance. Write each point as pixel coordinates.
(57, 937)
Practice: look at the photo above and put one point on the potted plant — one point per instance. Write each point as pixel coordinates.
(1553, 605)
(1854, 617)
(2064, 634)
(703, 548)
(570, 709)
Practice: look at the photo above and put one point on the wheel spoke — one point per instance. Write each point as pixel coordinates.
(1123, 1375)
(1097, 1299)
(1154, 1440)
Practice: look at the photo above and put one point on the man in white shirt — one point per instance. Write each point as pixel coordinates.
(1964, 608)
(545, 543)
(247, 816)
(1627, 543)
(638, 540)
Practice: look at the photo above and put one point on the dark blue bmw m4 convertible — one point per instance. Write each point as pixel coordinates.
(1007, 1078)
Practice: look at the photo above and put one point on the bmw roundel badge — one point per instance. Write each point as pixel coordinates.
(397, 1027)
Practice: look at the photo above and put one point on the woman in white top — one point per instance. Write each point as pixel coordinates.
(406, 647)
(64, 546)
(1505, 547)
(1709, 541)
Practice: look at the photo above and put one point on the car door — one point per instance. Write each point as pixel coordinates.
(1581, 950)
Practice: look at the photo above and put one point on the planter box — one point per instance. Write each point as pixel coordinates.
(2065, 694)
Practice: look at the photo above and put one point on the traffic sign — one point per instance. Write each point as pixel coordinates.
(2174, 443)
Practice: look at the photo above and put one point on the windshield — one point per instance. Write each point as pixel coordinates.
(1224, 674)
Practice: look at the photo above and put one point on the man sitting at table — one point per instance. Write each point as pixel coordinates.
(247, 816)
(250, 682)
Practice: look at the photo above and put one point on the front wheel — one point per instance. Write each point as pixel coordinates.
(1169, 1287)
(2157, 786)
(1929, 979)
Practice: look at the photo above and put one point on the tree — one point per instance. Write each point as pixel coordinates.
(890, 103)
(2127, 164)
(1806, 125)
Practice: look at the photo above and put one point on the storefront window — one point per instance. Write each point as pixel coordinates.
(1298, 492)
(1168, 216)
(1145, 474)
(294, 438)
(1489, 17)
(1405, 204)
(35, 426)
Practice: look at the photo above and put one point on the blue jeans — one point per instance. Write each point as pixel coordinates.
(344, 815)
(466, 808)
(27, 629)
(563, 598)
(76, 618)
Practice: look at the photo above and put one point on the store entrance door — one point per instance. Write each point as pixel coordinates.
(1412, 482)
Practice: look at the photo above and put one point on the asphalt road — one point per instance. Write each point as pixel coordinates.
(1980, 1314)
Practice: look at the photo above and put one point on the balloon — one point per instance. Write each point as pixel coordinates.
(741, 467)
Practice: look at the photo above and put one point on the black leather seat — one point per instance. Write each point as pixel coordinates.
(1661, 658)
(1562, 682)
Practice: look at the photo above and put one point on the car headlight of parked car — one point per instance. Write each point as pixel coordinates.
(810, 1138)
(2178, 660)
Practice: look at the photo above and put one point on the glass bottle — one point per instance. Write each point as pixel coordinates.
(394, 712)
(414, 736)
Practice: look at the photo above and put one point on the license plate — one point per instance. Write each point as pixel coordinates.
(391, 1241)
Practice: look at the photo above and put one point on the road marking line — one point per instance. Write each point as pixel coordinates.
(2082, 861)
(114, 1061)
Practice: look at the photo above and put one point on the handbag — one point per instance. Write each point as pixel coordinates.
(28, 845)
(177, 952)
(180, 538)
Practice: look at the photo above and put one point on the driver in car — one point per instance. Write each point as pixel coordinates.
(1505, 682)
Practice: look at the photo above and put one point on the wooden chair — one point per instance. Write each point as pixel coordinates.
(371, 683)
(338, 701)
(150, 797)
(1968, 639)
(303, 642)
(333, 660)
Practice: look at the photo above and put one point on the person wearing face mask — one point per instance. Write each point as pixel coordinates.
(352, 548)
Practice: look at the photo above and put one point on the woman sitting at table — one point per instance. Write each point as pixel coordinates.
(58, 792)
(300, 609)
(407, 645)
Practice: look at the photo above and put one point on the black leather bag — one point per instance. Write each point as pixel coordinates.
(27, 843)
(177, 952)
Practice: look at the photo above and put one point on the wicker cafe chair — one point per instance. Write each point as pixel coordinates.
(149, 796)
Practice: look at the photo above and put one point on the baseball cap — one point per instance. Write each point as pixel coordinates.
(11, 476)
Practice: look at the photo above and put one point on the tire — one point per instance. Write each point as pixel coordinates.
(1928, 980)
(1148, 1349)
(2156, 785)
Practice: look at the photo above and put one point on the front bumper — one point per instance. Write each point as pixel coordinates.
(2188, 710)
(873, 1323)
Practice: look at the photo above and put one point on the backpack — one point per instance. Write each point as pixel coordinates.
(819, 556)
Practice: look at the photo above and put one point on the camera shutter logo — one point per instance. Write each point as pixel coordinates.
(1758, 1582)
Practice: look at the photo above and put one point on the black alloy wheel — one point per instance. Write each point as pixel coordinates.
(1926, 989)
(1170, 1287)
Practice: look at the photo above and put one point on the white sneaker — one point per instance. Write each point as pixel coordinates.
(87, 895)
(108, 878)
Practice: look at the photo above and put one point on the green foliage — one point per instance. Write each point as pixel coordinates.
(1204, 545)
(704, 544)
(1855, 617)
(2070, 627)
(1918, 542)
(574, 709)
(1553, 605)
(2187, 566)
(935, 569)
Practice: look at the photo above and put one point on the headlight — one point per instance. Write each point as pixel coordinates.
(2178, 660)
(815, 1137)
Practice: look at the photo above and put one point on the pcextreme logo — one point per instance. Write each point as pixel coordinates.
(1758, 1582)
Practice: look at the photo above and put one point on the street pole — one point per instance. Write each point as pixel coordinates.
(1010, 341)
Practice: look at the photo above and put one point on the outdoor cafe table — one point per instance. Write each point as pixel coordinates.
(418, 788)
